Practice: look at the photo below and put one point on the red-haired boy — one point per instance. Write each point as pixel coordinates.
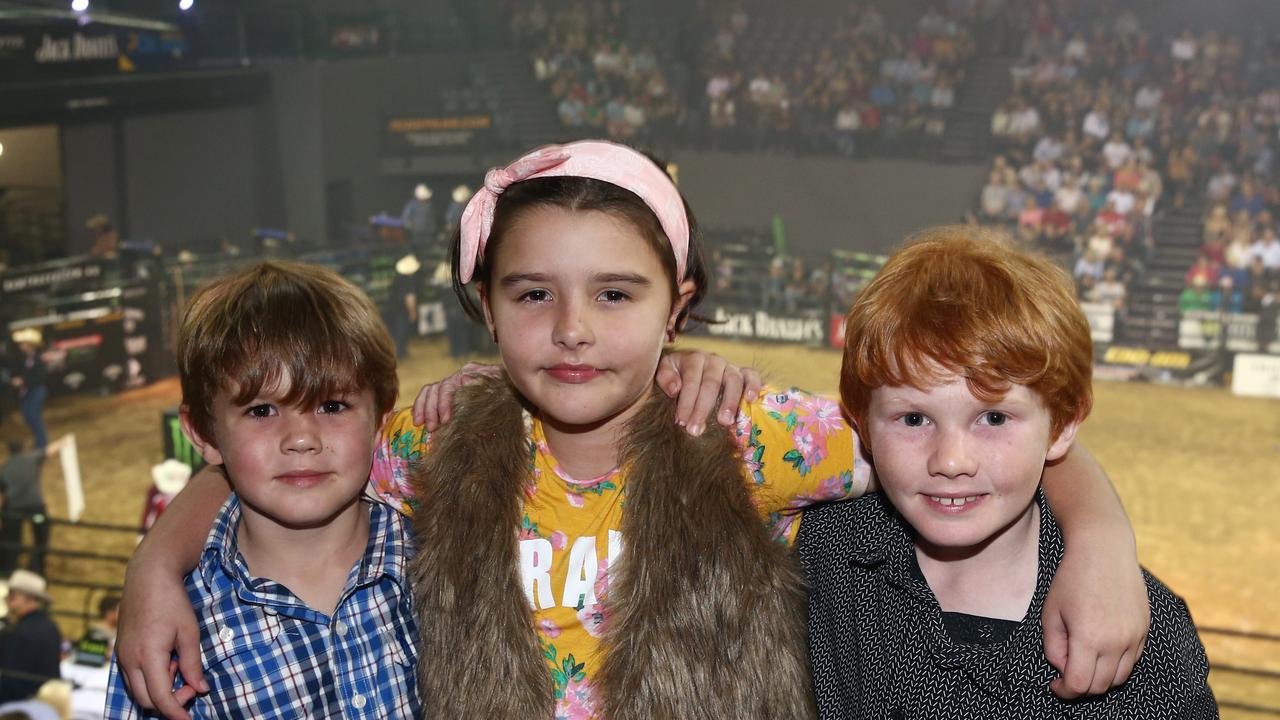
(967, 367)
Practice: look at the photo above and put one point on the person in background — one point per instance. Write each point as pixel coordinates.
(419, 218)
(401, 311)
(457, 203)
(106, 241)
(167, 480)
(28, 379)
(22, 501)
(30, 644)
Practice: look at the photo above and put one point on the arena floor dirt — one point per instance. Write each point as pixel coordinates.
(1198, 470)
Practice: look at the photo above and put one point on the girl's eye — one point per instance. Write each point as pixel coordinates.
(994, 418)
(329, 407)
(614, 296)
(913, 419)
(260, 411)
(535, 296)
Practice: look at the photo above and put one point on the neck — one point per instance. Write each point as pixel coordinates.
(588, 451)
(312, 562)
(996, 578)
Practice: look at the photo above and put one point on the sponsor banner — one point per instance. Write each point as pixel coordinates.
(1102, 320)
(760, 325)
(1175, 360)
(84, 352)
(1256, 375)
(407, 135)
(60, 47)
(27, 279)
(1237, 332)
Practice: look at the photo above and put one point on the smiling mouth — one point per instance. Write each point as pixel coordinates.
(574, 374)
(954, 504)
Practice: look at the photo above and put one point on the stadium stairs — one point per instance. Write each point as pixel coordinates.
(531, 119)
(1151, 313)
(969, 125)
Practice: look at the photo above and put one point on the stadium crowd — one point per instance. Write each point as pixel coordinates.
(1107, 122)
(845, 81)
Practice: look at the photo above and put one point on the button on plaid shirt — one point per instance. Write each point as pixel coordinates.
(267, 655)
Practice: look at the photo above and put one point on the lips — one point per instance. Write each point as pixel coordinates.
(303, 478)
(574, 374)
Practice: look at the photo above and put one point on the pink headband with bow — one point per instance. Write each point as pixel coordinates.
(610, 162)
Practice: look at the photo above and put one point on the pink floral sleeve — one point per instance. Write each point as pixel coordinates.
(401, 443)
(799, 450)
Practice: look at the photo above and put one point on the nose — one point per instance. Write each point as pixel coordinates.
(951, 455)
(572, 329)
(301, 433)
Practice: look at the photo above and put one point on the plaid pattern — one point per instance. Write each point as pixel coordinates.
(267, 655)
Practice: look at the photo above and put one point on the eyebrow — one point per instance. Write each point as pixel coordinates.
(608, 277)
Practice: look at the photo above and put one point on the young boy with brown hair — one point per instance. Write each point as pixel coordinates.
(967, 367)
(300, 593)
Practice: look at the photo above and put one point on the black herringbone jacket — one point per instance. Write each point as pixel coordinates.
(880, 649)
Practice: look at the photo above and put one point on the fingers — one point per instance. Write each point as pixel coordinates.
(753, 383)
(157, 678)
(433, 406)
(1077, 678)
(420, 404)
(135, 682)
(1125, 667)
(730, 397)
(668, 376)
(692, 367)
(1055, 641)
(188, 643)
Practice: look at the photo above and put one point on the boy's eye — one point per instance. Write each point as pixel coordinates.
(260, 411)
(913, 419)
(994, 418)
(330, 407)
(614, 296)
(535, 296)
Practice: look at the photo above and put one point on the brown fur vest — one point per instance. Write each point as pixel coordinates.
(706, 612)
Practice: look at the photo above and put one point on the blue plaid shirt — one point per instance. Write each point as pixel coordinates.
(267, 655)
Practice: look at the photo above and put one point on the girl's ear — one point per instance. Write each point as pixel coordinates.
(208, 450)
(488, 311)
(686, 290)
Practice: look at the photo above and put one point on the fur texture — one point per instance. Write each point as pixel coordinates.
(478, 654)
(705, 613)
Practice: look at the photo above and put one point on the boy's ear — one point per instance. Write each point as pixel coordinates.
(208, 450)
(686, 290)
(1062, 443)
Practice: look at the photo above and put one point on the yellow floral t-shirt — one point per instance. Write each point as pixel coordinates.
(796, 450)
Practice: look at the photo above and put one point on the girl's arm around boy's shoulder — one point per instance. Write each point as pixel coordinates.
(401, 443)
(798, 449)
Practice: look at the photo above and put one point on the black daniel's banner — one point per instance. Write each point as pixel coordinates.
(68, 49)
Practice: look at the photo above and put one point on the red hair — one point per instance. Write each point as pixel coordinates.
(963, 300)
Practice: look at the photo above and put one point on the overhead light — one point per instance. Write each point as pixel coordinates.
(79, 5)
(185, 5)
(1, 148)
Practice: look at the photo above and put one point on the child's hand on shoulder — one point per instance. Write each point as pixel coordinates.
(1096, 618)
(434, 405)
(700, 381)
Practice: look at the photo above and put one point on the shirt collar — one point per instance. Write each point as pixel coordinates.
(886, 544)
(386, 552)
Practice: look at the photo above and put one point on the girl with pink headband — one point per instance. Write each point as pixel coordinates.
(579, 556)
